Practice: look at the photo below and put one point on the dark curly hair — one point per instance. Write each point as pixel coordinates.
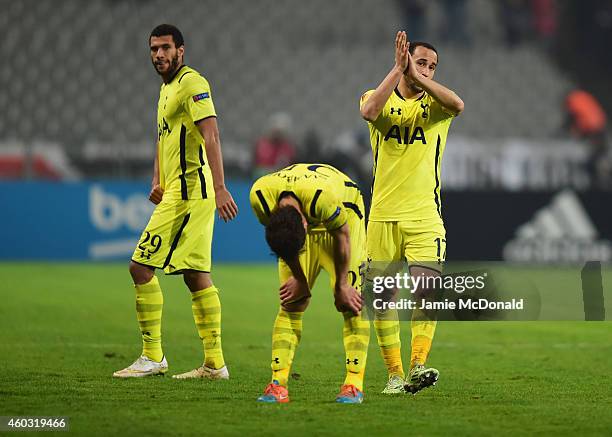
(285, 232)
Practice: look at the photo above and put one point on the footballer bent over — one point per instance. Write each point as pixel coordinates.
(314, 219)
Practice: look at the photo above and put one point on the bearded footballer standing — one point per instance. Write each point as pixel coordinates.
(188, 185)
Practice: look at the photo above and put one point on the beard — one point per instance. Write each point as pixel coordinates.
(174, 62)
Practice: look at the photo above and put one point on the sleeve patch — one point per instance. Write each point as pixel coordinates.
(202, 96)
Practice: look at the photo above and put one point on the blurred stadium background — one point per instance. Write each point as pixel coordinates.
(526, 164)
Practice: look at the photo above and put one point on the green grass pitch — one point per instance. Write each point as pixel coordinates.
(64, 328)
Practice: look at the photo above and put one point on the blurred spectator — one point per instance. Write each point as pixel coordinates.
(515, 17)
(312, 151)
(453, 23)
(275, 150)
(545, 20)
(586, 120)
(414, 14)
(352, 154)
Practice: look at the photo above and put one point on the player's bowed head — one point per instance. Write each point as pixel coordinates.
(286, 233)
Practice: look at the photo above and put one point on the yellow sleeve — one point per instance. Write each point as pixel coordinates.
(382, 122)
(439, 112)
(364, 97)
(327, 209)
(197, 97)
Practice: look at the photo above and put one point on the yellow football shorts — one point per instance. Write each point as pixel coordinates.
(178, 236)
(420, 242)
(318, 253)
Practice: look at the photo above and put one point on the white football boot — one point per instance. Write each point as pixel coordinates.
(395, 384)
(204, 372)
(143, 366)
(421, 377)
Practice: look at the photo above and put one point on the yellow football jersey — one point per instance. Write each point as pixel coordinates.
(183, 172)
(408, 140)
(324, 193)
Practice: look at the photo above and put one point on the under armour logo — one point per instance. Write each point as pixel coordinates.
(276, 360)
(397, 111)
(355, 361)
(425, 107)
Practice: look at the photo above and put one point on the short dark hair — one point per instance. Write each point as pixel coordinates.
(168, 29)
(285, 232)
(415, 44)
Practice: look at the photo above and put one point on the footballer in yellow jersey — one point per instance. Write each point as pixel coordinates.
(183, 171)
(188, 185)
(408, 116)
(408, 140)
(313, 218)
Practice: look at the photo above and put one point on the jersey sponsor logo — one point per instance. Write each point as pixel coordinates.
(163, 128)
(408, 137)
(561, 231)
(397, 111)
(201, 96)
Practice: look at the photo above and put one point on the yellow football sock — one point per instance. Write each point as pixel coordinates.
(285, 338)
(420, 349)
(149, 303)
(422, 337)
(356, 336)
(388, 334)
(206, 309)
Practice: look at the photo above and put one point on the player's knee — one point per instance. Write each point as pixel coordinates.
(140, 274)
(196, 280)
(299, 306)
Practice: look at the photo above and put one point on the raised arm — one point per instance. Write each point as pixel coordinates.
(444, 96)
(372, 107)
(210, 132)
